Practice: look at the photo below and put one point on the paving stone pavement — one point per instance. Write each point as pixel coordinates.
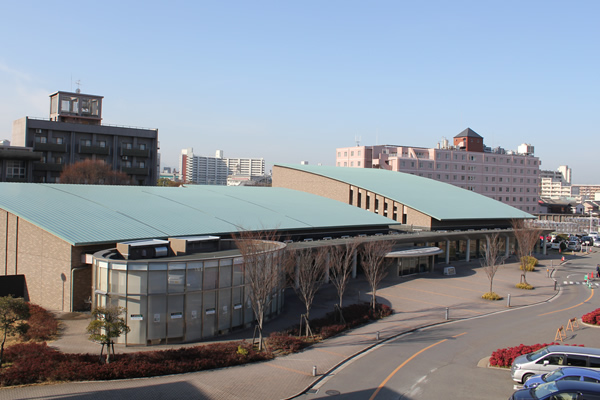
(418, 301)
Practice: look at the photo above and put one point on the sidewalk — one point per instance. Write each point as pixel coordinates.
(418, 301)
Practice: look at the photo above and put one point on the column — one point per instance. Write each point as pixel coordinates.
(327, 261)
(506, 251)
(447, 252)
(544, 252)
(468, 258)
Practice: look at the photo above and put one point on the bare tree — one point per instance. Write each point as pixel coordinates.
(340, 263)
(93, 172)
(492, 259)
(372, 261)
(263, 272)
(526, 236)
(307, 267)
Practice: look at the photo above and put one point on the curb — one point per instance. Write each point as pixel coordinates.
(395, 336)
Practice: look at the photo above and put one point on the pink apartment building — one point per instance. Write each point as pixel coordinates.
(512, 177)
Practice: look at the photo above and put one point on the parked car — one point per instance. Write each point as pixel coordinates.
(555, 245)
(573, 245)
(587, 240)
(548, 358)
(560, 390)
(568, 373)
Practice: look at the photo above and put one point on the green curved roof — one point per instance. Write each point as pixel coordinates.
(439, 200)
(89, 214)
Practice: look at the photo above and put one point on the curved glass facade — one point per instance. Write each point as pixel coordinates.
(178, 299)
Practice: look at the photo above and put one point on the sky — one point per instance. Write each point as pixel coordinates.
(291, 81)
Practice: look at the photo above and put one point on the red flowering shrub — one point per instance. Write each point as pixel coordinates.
(34, 362)
(42, 324)
(505, 357)
(592, 317)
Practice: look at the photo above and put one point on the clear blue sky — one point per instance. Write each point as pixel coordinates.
(293, 80)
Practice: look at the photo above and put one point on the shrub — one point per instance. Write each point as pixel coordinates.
(491, 296)
(592, 317)
(524, 285)
(42, 325)
(505, 357)
(36, 362)
(285, 343)
(529, 263)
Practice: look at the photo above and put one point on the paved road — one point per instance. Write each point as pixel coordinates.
(419, 301)
(442, 361)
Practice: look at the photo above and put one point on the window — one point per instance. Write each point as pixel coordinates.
(351, 153)
(345, 164)
(41, 139)
(86, 142)
(142, 164)
(58, 140)
(345, 154)
(339, 154)
(127, 164)
(15, 169)
(127, 146)
(102, 143)
(59, 160)
(358, 153)
(352, 163)
(358, 163)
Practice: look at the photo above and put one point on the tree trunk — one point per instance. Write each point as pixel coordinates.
(108, 353)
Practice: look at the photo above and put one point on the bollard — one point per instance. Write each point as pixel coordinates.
(555, 282)
(377, 335)
(447, 312)
(314, 370)
(547, 272)
(508, 301)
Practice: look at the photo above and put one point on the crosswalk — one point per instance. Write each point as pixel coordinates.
(595, 284)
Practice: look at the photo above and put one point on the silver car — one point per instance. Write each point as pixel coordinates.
(565, 373)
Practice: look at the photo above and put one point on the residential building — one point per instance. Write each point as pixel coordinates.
(74, 132)
(556, 184)
(512, 177)
(215, 170)
(586, 192)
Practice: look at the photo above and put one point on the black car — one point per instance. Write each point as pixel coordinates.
(560, 390)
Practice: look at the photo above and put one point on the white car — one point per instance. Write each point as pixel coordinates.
(573, 245)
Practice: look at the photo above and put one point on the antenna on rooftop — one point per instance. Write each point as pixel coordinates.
(78, 83)
(357, 140)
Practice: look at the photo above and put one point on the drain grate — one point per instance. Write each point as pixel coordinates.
(333, 393)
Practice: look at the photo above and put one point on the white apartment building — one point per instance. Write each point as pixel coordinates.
(512, 177)
(556, 184)
(215, 170)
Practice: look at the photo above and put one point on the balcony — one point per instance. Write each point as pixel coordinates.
(54, 147)
(135, 153)
(94, 150)
(40, 166)
(135, 171)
